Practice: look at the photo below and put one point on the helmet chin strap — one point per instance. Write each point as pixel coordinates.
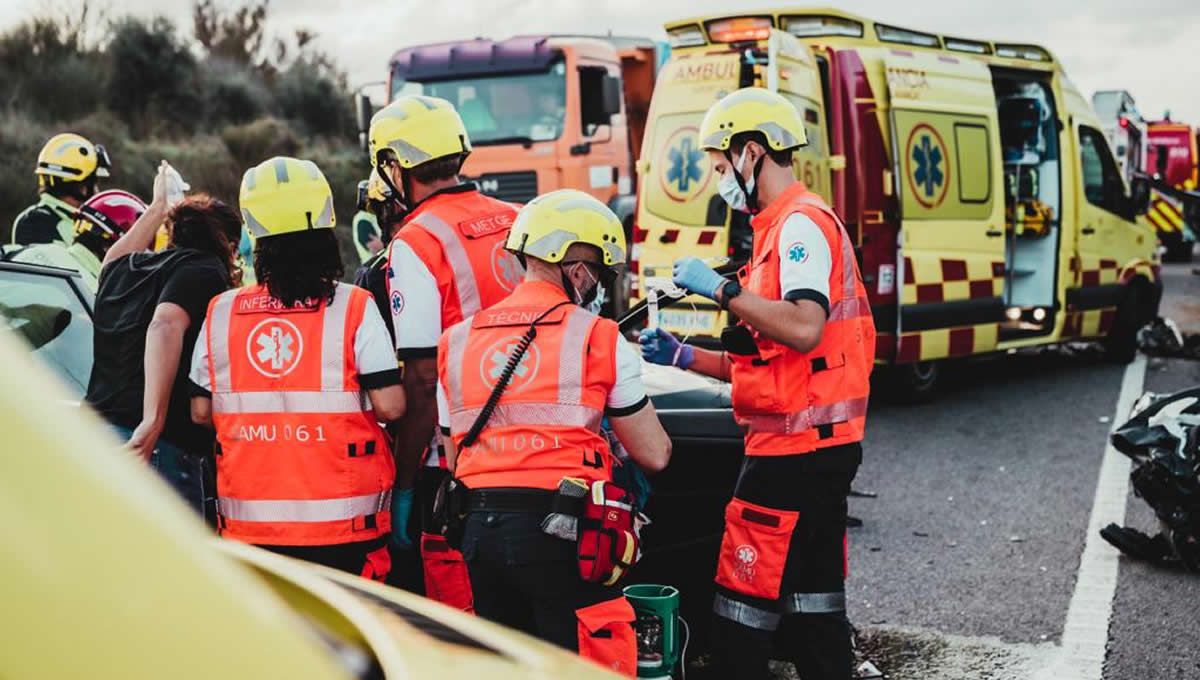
(751, 196)
(402, 205)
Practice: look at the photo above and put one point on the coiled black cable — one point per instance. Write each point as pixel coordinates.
(485, 414)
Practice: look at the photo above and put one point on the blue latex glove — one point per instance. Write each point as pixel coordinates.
(402, 502)
(691, 273)
(662, 348)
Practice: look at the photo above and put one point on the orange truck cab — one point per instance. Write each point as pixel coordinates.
(544, 112)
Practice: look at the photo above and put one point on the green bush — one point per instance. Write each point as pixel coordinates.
(305, 93)
(47, 73)
(233, 94)
(252, 143)
(153, 81)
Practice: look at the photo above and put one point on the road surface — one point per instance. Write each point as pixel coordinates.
(970, 557)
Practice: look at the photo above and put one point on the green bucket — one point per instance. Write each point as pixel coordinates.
(657, 628)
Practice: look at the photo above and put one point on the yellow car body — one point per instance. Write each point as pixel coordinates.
(107, 575)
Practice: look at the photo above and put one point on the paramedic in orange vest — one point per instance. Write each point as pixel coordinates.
(446, 262)
(800, 385)
(546, 426)
(295, 373)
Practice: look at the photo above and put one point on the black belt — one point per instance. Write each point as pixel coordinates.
(537, 501)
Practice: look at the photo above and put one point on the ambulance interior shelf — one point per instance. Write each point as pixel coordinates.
(1021, 124)
(1029, 132)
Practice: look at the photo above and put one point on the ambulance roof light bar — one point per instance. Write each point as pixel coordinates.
(686, 36)
(739, 29)
(1027, 52)
(904, 36)
(970, 46)
(813, 26)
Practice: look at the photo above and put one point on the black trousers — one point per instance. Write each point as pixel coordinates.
(808, 619)
(526, 579)
(348, 557)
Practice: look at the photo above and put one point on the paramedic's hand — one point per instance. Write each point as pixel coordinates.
(697, 277)
(662, 348)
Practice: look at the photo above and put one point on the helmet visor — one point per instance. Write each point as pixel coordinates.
(103, 162)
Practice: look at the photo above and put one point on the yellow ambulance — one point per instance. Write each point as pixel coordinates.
(987, 209)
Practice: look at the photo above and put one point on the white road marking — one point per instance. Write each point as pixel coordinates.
(1085, 634)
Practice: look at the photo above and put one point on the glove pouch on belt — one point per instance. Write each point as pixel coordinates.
(754, 549)
(446, 578)
(606, 635)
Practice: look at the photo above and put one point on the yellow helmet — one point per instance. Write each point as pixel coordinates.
(550, 223)
(71, 157)
(752, 109)
(284, 195)
(418, 129)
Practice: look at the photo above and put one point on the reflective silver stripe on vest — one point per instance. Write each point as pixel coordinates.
(289, 402)
(333, 339)
(794, 423)
(849, 308)
(849, 262)
(815, 603)
(324, 510)
(456, 255)
(572, 356)
(536, 415)
(740, 612)
(456, 345)
(218, 341)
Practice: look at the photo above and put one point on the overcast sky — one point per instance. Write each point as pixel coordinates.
(1149, 47)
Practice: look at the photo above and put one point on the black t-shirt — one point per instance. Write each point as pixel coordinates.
(130, 289)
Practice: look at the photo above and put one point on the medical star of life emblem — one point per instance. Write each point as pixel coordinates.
(397, 303)
(274, 347)
(745, 557)
(797, 252)
(506, 268)
(497, 357)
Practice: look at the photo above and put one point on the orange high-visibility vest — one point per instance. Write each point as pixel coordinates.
(546, 425)
(460, 236)
(302, 460)
(792, 402)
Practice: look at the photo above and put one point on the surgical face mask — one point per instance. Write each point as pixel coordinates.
(598, 299)
(729, 189)
(593, 299)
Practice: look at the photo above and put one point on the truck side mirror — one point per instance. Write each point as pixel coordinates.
(599, 97)
(1160, 159)
(1139, 195)
(363, 112)
(611, 95)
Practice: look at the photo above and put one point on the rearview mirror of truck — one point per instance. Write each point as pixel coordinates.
(599, 97)
(1139, 195)
(363, 112)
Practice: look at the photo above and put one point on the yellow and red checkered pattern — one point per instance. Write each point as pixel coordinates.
(934, 280)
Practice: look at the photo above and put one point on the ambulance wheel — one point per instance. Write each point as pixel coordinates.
(1120, 346)
(912, 383)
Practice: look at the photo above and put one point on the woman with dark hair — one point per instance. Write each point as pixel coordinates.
(295, 374)
(148, 311)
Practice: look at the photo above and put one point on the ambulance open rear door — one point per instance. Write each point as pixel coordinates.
(792, 72)
(948, 176)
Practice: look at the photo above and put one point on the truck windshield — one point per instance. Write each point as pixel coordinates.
(504, 108)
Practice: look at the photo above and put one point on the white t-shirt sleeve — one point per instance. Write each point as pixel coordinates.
(805, 261)
(413, 298)
(628, 389)
(198, 371)
(373, 351)
(443, 407)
